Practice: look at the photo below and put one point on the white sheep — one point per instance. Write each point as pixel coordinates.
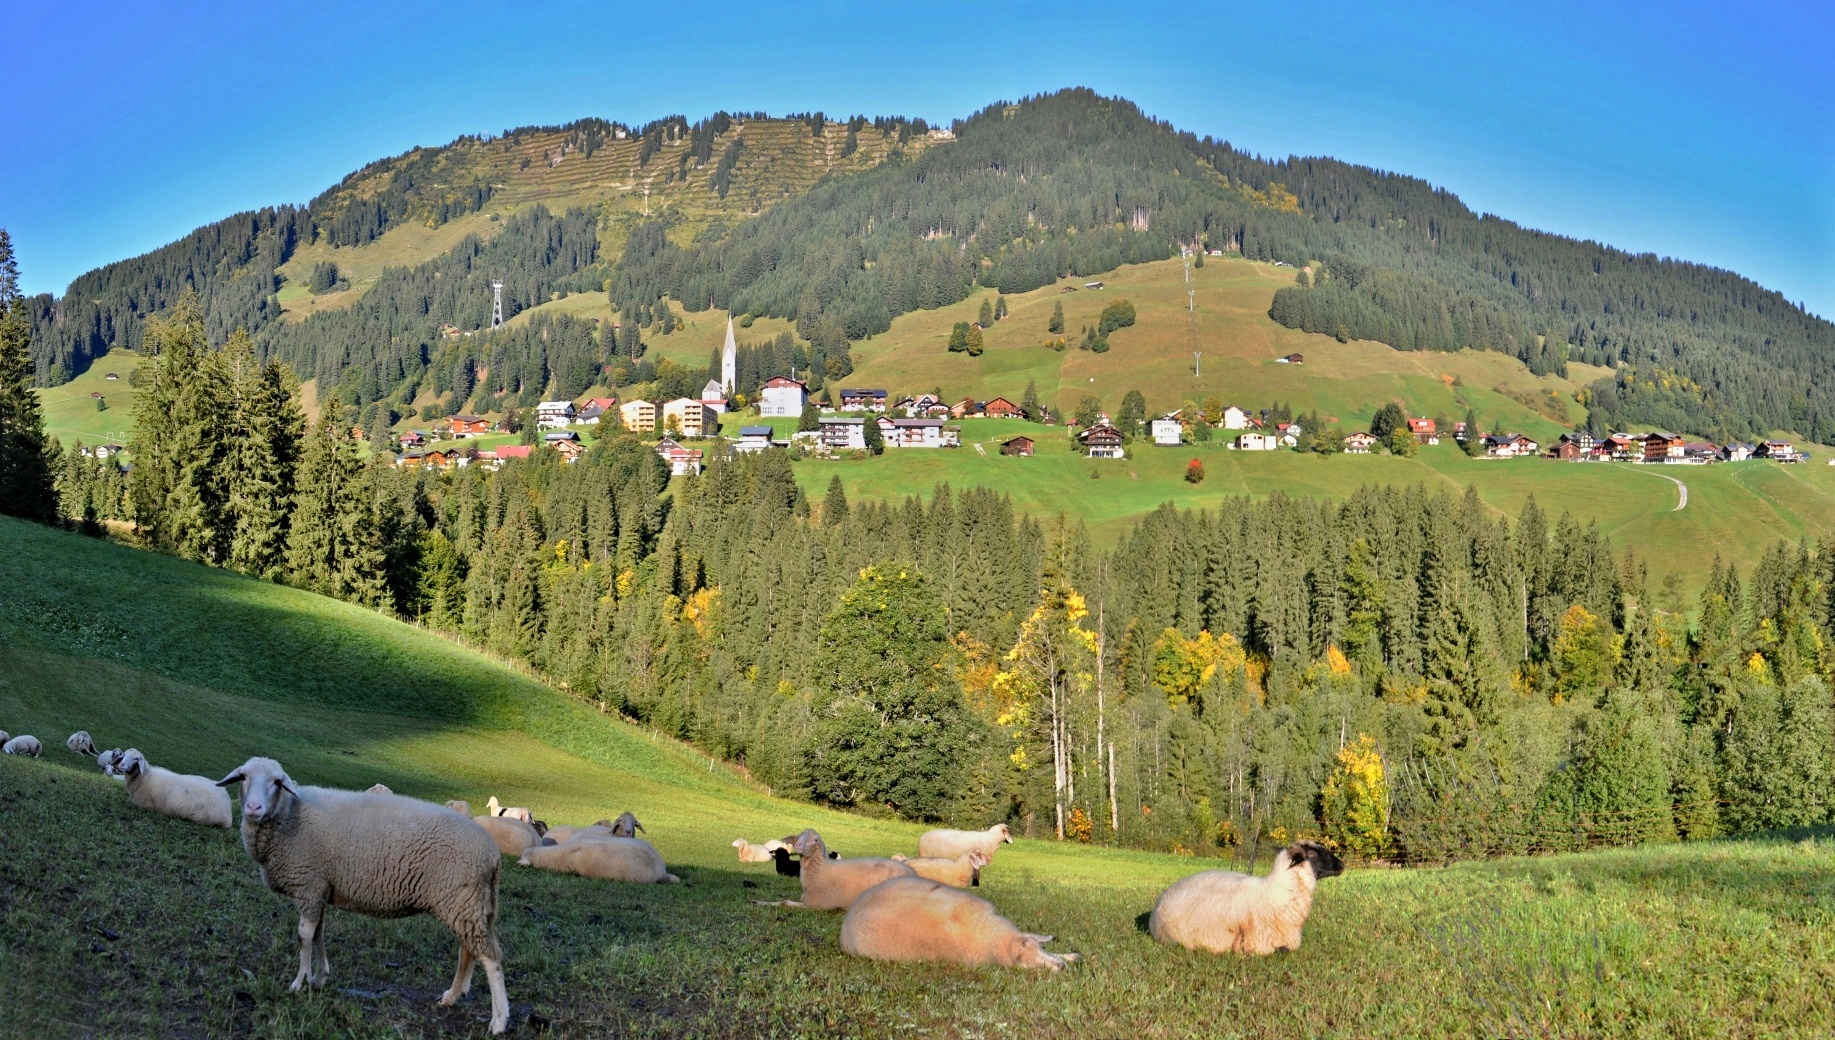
(511, 835)
(513, 812)
(381, 855)
(916, 919)
(80, 743)
(562, 832)
(179, 795)
(377, 789)
(834, 884)
(1225, 912)
(23, 744)
(948, 844)
(110, 761)
(4, 737)
(626, 826)
(962, 872)
(750, 853)
(460, 806)
(608, 859)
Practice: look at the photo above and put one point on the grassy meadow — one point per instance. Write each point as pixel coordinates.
(71, 415)
(116, 922)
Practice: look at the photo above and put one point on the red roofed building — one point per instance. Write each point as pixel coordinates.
(1425, 431)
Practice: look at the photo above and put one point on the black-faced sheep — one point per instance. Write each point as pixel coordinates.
(948, 844)
(80, 743)
(608, 859)
(186, 797)
(750, 853)
(916, 919)
(511, 835)
(1225, 912)
(381, 855)
(962, 872)
(23, 744)
(834, 884)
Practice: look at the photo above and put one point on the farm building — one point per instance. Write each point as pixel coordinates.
(1103, 442)
(1292, 359)
(1018, 446)
(1509, 446)
(1257, 442)
(1426, 431)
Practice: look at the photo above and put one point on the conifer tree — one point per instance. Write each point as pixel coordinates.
(986, 317)
(1029, 402)
(875, 441)
(1057, 318)
(28, 487)
(266, 427)
(834, 504)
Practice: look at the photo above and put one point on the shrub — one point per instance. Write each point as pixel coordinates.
(1194, 472)
(1117, 315)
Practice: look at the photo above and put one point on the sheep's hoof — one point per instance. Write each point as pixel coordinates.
(450, 997)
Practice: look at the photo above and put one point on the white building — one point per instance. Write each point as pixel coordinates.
(1258, 442)
(753, 438)
(1235, 418)
(713, 397)
(692, 418)
(783, 397)
(912, 433)
(1167, 432)
(842, 433)
(553, 415)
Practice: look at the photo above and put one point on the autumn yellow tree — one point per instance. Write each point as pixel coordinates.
(1356, 798)
(1049, 665)
(1182, 666)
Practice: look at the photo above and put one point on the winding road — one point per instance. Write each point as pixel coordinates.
(1680, 506)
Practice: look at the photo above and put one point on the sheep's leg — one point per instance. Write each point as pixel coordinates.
(500, 999)
(461, 979)
(321, 963)
(310, 918)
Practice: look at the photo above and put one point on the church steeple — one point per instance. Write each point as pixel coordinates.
(729, 362)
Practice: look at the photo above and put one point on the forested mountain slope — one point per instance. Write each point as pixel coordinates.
(1067, 183)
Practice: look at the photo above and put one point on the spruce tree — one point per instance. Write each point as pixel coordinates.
(834, 504)
(28, 485)
(1057, 318)
(875, 441)
(986, 317)
(1029, 402)
(266, 430)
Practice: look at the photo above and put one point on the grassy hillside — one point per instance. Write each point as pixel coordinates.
(114, 922)
(71, 415)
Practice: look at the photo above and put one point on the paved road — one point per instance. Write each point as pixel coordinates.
(1680, 506)
(979, 450)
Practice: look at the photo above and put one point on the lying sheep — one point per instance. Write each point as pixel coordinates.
(80, 743)
(626, 826)
(513, 812)
(834, 884)
(1225, 912)
(377, 789)
(916, 919)
(110, 761)
(561, 832)
(784, 855)
(511, 835)
(750, 853)
(381, 855)
(962, 872)
(186, 797)
(23, 744)
(4, 737)
(947, 844)
(460, 806)
(608, 859)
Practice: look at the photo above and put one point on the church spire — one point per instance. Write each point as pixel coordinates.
(729, 362)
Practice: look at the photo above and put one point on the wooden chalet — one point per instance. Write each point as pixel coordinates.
(1001, 408)
(1661, 445)
(469, 426)
(1102, 441)
(1018, 446)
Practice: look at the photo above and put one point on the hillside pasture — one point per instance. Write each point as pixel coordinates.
(117, 922)
(71, 415)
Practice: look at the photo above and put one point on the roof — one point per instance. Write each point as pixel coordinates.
(1016, 440)
(1665, 434)
(601, 402)
(560, 435)
(556, 405)
(755, 431)
(513, 451)
(784, 381)
(468, 418)
(1421, 425)
(842, 420)
(908, 423)
(863, 393)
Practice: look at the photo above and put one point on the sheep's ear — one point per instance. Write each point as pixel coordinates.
(239, 774)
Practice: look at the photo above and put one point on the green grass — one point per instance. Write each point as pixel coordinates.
(71, 415)
(115, 922)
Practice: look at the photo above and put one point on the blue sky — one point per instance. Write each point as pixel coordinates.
(1702, 131)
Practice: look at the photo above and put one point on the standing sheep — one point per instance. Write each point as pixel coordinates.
(186, 797)
(381, 855)
(947, 844)
(835, 884)
(962, 872)
(609, 859)
(513, 812)
(511, 835)
(1225, 912)
(80, 743)
(23, 744)
(916, 919)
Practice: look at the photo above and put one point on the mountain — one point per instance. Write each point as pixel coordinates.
(840, 227)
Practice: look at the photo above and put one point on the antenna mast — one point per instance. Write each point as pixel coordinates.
(1191, 314)
(496, 304)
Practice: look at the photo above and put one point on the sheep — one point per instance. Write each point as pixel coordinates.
(784, 856)
(609, 859)
(460, 806)
(380, 855)
(180, 795)
(947, 844)
(511, 835)
(5, 736)
(1225, 912)
(562, 833)
(626, 826)
(916, 919)
(23, 744)
(750, 853)
(835, 884)
(514, 813)
(962, 872)
(377, 789)
(80, 743)
(110, 761)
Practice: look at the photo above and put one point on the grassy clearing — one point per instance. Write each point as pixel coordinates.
(114, 922)
(70, 413)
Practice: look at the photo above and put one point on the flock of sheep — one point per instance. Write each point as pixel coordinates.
(386, 855)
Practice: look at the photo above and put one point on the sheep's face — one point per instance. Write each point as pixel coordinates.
(266, 788)
(110, 761)
(1324, 861)
(131, 763)
(626, 827)
(1027, 951)
(809, 845)
(1006, 836)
